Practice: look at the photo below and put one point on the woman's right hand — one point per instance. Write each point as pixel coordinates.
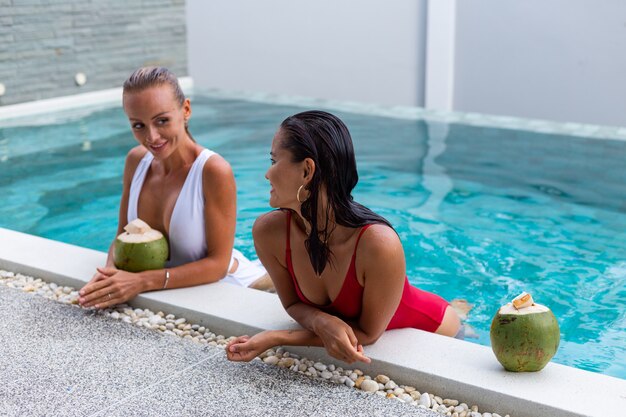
(339, 339)
(246, 348)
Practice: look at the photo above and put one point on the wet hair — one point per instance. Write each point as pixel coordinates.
(147, 77)
(325, 139)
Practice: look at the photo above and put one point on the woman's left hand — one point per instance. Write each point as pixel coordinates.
(111, 286)
(246, 348)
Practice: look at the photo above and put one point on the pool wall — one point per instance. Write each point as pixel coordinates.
(91, 100)
(433, 363)
(45, 43)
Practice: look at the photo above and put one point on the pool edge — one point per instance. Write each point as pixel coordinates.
(113, 95)
(103, 98)
(457, 369)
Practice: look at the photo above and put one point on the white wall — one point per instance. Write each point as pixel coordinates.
(361, 50)
(562, 60)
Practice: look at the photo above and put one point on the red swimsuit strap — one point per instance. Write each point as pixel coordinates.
(350, 284)
(351, 291)
(289, 263)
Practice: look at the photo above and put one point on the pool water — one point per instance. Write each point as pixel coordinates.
(483, 213)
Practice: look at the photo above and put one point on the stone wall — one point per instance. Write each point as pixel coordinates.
(45, 43)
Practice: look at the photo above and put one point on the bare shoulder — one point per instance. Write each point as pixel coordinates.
(270, 224)
(135, 155)
(269, 232)
(380, 243)
(133, 158)
(270, 228)
(217, 169)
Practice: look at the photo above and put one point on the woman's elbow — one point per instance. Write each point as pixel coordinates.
(370, 338)
(218, 270)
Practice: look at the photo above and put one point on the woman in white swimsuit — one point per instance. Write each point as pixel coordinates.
(178, 187)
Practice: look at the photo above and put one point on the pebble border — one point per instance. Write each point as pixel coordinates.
(168, 324)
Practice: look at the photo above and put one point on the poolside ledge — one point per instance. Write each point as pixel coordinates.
(449, 367)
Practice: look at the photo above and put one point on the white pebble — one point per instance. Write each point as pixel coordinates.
(405, 397)
(326, 374)
(320, 366)
(390, 385)
(369, 386)
(425, 400)
(272, 360)
(349, 383)
(383, 379)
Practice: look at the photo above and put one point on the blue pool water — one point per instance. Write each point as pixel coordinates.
(483, 213)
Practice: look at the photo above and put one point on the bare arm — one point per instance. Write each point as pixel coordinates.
(381, 263)
(220, 217)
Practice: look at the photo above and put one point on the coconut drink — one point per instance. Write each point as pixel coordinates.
(140, 248)
(524, 335)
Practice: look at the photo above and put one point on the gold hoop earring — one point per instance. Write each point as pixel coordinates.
(298, 194)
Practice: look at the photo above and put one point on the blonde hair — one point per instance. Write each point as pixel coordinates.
(147, 77)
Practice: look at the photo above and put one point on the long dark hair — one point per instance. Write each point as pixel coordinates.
(325, 139)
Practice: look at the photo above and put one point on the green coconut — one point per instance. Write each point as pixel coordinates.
(524, 338)
(140, 248)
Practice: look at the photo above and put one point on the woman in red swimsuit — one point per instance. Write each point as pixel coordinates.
(338, 267)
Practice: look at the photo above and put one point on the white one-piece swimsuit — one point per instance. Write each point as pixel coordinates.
(187, 238)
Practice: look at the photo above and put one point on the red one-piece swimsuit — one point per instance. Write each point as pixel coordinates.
(418, 309)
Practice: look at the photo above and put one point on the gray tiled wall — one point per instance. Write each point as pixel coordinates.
(44, 43)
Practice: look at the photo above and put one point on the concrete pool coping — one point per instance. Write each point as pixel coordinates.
(444, 366)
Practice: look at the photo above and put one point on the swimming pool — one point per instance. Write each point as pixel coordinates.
(483, 213)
